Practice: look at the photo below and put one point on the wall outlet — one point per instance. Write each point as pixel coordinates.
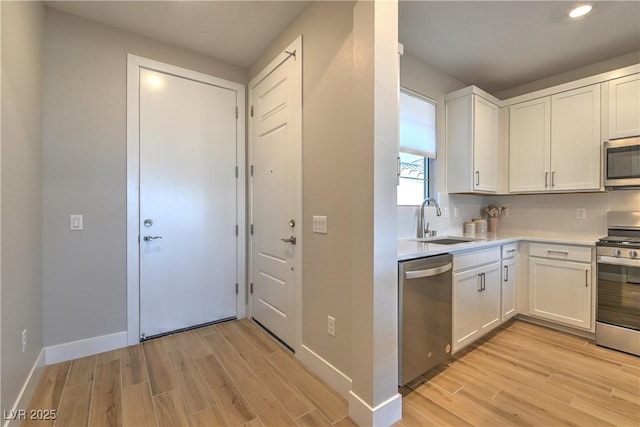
(581, 213)
(24, 340)
(445, 212)
(505, 212)
(331, 326)
(456, 213)
(75, 222)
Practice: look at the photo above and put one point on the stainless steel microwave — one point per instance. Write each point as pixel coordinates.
(622, 163)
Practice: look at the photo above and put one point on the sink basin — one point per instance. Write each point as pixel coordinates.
(446, 240)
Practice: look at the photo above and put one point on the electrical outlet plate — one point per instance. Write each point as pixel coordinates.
(505, 212)
(445, 212)
(24, 340)
(581, 213)
(331, 326)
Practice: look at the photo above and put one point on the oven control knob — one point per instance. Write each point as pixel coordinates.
(633, 254)
(617, 252)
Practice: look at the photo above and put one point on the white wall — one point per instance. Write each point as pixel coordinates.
(428, 81)
(21, 277)
(85, 170)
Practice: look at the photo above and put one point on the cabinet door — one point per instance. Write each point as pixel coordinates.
(508, 285)
(624, 107)
(485, 145)
(560, 291)
(529, 145)
(575, 139)
(489, 304)
(466, 287)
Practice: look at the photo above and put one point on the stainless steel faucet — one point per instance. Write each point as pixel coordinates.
(421, 225)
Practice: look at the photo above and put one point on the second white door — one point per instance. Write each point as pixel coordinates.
(276, 180)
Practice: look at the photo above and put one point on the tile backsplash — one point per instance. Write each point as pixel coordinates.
(542, 214)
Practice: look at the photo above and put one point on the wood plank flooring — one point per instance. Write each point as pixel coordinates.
(230, 374)
(527, 375)
(234, 374)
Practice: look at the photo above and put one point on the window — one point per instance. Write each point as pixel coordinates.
(417, 147)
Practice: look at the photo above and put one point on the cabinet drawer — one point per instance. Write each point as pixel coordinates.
(480, 257)
(510, 250)
(563, 252)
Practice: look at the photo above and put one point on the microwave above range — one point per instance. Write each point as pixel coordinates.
(622, 164)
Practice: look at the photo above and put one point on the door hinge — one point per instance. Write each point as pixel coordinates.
(236, 289)
(251, 229)
(252, 111)
(251, 170)
(236, 229)
(251, 288)
(237, 172)
(236, 112)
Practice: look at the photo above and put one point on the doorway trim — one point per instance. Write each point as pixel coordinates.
(134, 65)
(286, 54)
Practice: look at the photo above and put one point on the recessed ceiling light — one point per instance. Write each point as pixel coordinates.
(579, 11)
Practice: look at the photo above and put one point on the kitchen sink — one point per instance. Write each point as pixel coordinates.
(446, 240)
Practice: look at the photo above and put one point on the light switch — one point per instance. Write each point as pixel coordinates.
(320, 224)
(75, 222)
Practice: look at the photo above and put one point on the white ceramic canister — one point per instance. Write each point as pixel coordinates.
(481, 225)
(469, 227)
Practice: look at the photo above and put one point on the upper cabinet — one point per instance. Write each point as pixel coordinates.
(530, 145)
(624, 107)
(472, 142)
(575, 140)
(545, 141)
(554, 142)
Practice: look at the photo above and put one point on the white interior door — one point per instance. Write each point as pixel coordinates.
(188, 203)
(276, 198)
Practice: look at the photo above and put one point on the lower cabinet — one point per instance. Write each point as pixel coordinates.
(476, 303)
(508, 284)
(560, 291)
(560, 287)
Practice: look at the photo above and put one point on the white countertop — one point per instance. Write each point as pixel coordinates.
(410, 248)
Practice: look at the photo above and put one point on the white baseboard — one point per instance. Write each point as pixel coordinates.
(87, 347)
(385, 414)
(325, 370)
(26, 393)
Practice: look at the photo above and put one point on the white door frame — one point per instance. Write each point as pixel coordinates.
(296, 103)
(134, 64)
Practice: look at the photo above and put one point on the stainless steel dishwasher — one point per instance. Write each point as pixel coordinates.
(424, 315)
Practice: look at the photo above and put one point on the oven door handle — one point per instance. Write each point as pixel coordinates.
(628, 262)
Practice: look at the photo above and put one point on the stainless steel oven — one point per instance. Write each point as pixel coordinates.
(622, 163)
(618, 303)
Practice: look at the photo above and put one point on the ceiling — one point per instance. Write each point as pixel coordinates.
(236, 32)
(495, 45)
(500, 45)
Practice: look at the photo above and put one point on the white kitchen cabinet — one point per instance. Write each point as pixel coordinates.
(554, 142)
(476, 303)
(508, 281)
(560, 284)
(624, 107)
(529, 145)
(575, 139)
(472, 142)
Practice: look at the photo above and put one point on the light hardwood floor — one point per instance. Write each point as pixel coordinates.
(230, 374)
(236, 374)
(527, 375)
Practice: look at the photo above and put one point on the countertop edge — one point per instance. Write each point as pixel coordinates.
(411, 249)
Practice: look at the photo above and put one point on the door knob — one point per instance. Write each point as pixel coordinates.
(291, 240)
(150, 238)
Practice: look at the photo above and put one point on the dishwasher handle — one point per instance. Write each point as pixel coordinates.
(417, 274)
